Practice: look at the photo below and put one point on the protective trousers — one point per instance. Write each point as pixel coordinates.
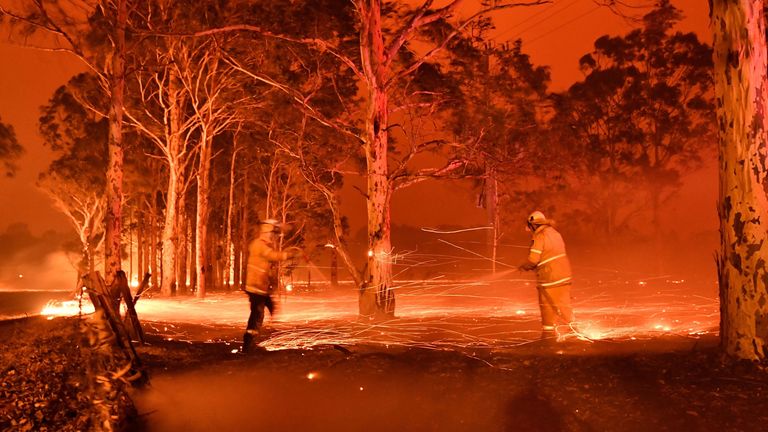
(555, 307)
(256, 318)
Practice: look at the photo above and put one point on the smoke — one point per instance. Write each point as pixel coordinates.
(30, 262)
(52, 272)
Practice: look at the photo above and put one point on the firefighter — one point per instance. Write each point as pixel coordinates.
(261, 277)
(553, 274)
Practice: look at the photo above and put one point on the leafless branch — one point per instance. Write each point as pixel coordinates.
(297, 97)
(494, 6)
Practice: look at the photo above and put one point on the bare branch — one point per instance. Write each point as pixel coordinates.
(434, 51)
(297, 97)
(405, 180)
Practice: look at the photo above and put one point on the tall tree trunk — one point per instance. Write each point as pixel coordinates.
(114, 190)
(228, 246)
(379, 282)
(130, 248)
(201, 233)
(741, 91)
(376, 295)
(244, 211)
(492, 212)
(154, 267)
(214, 258)
(182, 242)
(192, 259)
(175, 185)
(168, 236)
(142, 239)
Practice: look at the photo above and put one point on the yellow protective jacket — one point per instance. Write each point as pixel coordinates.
(547, 255)
(260, 278)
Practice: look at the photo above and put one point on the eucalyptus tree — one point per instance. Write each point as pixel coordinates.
(76, 133)
(499, 105)
(643, 113)
(95, 32)
(391, 46)
(741, 92)
(157, 107)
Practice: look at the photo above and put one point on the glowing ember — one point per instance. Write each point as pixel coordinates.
(437, 314)
(311, 376)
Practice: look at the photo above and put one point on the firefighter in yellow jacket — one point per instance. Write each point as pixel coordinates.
(261, 278)
(548, 258)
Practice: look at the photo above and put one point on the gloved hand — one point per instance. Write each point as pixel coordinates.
(527, 266)
(293, 252)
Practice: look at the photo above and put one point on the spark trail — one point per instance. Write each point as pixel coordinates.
(466, 316)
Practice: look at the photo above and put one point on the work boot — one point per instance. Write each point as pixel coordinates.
(248, 340)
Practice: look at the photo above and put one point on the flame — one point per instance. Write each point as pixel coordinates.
(56, 308)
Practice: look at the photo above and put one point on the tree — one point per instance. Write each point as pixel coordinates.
(95, 32)
(386, 60)
(159, 116)
(73, 129)
(10, 149)
(741, 92)
(498, 107)
(642, 113)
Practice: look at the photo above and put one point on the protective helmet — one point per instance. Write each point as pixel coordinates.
(269, 226)
(537, 218)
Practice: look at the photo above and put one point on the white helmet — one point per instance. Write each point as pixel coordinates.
(537, 218)
(269, 226)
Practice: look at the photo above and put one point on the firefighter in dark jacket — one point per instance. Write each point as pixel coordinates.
(548, 258)
(261, 278)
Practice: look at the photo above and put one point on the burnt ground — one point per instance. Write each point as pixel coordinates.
(666, 383)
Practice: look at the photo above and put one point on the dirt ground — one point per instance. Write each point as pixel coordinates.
(667, 383)
(671, 383)
(51, 381)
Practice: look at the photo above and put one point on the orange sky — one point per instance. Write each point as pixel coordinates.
(556, 35)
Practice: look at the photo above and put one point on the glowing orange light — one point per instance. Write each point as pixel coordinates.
(66, 308)
(311, 376)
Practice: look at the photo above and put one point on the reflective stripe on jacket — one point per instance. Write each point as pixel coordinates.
(548, 253)
(261, 256)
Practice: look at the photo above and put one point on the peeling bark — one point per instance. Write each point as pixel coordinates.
(742, 97)
(377, 295)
